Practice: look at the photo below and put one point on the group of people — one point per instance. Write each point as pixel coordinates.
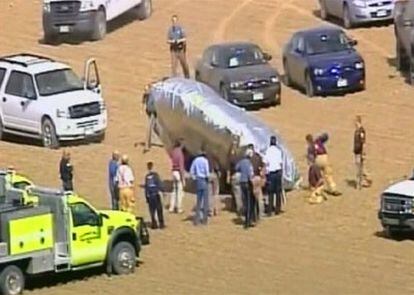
(320, 176)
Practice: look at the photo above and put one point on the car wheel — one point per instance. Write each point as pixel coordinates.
(323, 12)
(347, 18)
(99, 30)
(50, 38)
(49, 137)
(224, 92)
(123, 258)
(1, 129)
(411, 72)
(310, 91)
(287, 78)
(401, 57)
(390, 232)
(144, 10)
(12, 280)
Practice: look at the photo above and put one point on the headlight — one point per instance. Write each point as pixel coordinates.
(317, 72)
(359, 3)
(274, 79)
(235, 84)
(359, 65)
(61, 113)
(46, 7)
(86, 5)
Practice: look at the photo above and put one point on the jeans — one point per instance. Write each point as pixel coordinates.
(113, 189)
(202, 205)
(155, 208)
(275, 189)
(249, 204)
(67, 185)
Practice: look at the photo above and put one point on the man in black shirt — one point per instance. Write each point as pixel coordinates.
(66, 172)
(359, 154)
(178, 47)
(153, 188)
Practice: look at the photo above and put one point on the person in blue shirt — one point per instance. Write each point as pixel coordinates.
(176, 38)
(153, 188)
(245, 168)
(112, 181)
(200, 172)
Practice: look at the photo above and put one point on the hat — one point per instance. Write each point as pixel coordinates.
(124, 159)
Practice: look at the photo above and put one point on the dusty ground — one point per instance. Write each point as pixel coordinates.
(335, 247)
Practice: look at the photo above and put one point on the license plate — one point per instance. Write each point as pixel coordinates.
(64, 29)
(342, 83)
(390, 221)
(258, 96)
(381, 13)
(88, 131)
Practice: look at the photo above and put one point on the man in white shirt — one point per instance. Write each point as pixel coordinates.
(125, 179)
(273, 161)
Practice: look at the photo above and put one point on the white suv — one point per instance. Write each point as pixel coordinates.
(45, 99)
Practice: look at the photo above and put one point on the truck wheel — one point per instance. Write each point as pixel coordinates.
(346, 17)
(288, 79)
(401, 57)
(144, 10)
(123, 258)
(390, 232)
(11, 280)
(411, 72)
(99, 30)
(49, 137)
(50, 38)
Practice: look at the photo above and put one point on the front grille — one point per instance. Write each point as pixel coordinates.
(87, 124)
(84, 110)
(394, 204)
(379, 4)
(65, 7)
(255, 84)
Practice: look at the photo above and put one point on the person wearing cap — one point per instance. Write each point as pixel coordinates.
(66, 171)
(125, 178)
(245, 168)
(273, 160)
(258, 181)
(200, 172)
(317, 153)
(112, 181)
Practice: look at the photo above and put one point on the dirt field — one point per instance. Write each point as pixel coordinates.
(333, 248)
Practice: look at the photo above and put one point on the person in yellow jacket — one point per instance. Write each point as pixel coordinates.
(125, 178)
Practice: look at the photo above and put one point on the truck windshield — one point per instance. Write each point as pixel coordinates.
(243, 56)
(325, 43)
(59, 81)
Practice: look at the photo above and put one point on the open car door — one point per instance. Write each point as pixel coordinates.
(91, 76)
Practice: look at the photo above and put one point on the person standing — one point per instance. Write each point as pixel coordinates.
(153, 188)
(178, 174)
(235, 182)
(200, 172)
(273, 160)
(245, 168)
(214, 189)
(66, 171)
(318, 154)
(362, 179)
(258, 182)
(178, 47)
(113, 183)
(125, 177)
(316, 185)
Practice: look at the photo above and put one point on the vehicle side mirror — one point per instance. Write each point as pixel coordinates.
(353, 42)
(213, 64)
(298, 51)
(267, 56)
(100, 220)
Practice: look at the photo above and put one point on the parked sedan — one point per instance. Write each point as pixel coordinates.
(241, 73)
(322, 61)
(355, 12)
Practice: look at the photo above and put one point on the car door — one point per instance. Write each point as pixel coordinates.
(19, 103)
(92, 80)
(297, 60)
(86, 245)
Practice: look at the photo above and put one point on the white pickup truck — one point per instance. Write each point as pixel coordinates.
(87, 17)
(44, 99)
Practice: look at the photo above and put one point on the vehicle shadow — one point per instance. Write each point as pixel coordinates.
(114, 25)
(398, 237)
(338, 22)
